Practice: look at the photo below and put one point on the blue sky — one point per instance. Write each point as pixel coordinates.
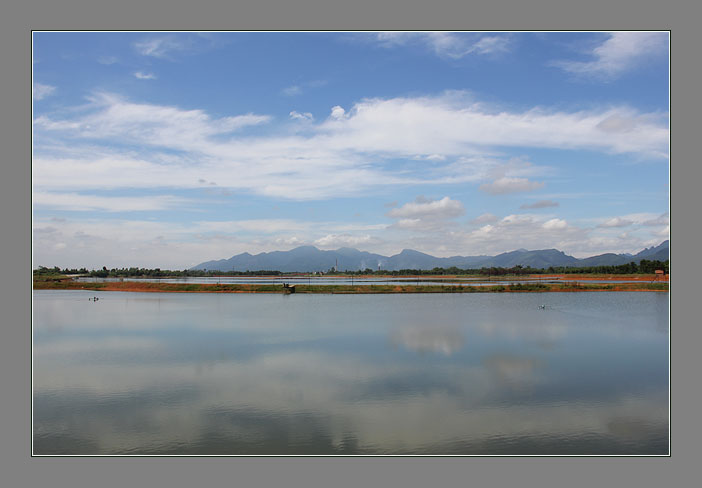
(168, 149)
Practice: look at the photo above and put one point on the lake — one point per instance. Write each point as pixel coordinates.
(343, 280)
(269, 374)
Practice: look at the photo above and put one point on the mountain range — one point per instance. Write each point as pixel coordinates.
(309, 258)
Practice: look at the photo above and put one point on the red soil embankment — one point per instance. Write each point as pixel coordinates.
(610, 277)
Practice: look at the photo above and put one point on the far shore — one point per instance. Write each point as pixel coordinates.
(640, 283)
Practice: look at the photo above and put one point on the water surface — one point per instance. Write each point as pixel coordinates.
(343, 280)
(175, 373)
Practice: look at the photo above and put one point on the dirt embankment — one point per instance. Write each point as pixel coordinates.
(133, 286)
(646, 278)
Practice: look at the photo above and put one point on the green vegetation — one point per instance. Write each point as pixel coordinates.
(644, 267)
(340, 289)
(48, 274)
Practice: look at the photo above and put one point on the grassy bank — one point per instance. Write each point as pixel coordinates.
(67, 284)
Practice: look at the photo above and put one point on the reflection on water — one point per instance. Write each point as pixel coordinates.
(512, 370)
(428, 339)
(350, 374)
(342, 280)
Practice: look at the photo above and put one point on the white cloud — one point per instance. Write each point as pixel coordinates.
(663, 233)
(305, 116)
(638, 219)
(40, 91)
(616, 222)
(265, 226)
(452, 126)
(450, 45)
(540, 204)
(337, 112)
(491, 44)
(621, 52)
(144, 76)
(529, 231)
(160, 47)
(298, 89)
(422, 208)
(555, 224)
(506, 185)
(663, 219)
(435, 157)
(485, 218)
(292, 90)
(411, 224)
(348, 153)
(115, 117)
(83, 203)
(97, 242)
(343, 240)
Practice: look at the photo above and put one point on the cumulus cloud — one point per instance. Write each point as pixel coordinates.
(540, 204)
(530, 231)
(422, 208)
(40, 91)
(555, 224)
(619, 53)
(505, 185)
(337, 112)
(144, 76)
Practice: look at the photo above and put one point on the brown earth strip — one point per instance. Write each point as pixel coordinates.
(132, 286)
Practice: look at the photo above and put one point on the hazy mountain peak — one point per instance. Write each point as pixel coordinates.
(309, 258)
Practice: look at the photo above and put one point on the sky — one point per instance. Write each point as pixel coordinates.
(167, 149)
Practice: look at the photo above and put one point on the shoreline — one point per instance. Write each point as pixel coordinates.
(535, 287)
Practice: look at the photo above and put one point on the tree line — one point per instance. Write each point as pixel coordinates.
(643, 267)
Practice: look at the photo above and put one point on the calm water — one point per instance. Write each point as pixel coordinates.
(157, 373)
(347, 281)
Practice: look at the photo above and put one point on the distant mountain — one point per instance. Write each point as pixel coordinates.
(309, 258)
(660, 252)
(304, 258)
(534, 259)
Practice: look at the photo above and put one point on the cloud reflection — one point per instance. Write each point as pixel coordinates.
(511, 370)
(428, 339)
(264, 376)
(312, 402)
